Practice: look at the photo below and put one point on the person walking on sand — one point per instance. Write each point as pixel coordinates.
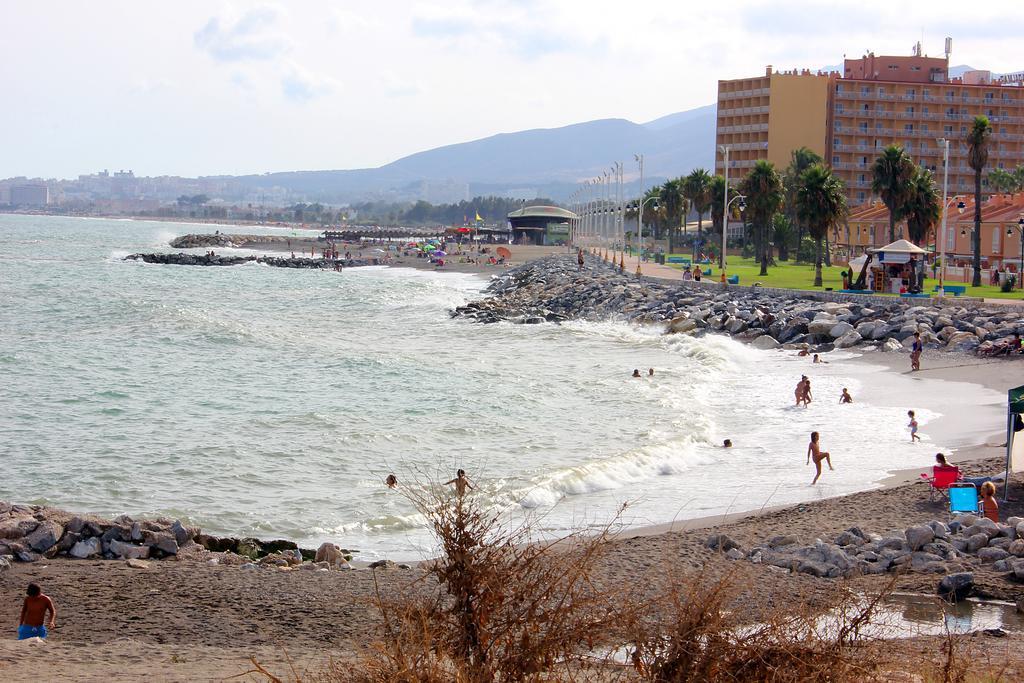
(913, 427)
(814, 451)
(579, 259)
(33, 614)
(845, 397)
(461, 483)
(915, 353)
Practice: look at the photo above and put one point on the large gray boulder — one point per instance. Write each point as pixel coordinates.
(87, 548)
(765, 342)
(919, 536)
(851, 338)
(840, 329)
(45, 536)
(128, 551)
(976, 542)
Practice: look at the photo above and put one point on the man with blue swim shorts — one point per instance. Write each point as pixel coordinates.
(33, 614)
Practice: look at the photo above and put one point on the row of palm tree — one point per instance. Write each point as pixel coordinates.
(910, 192)
(1002, 180)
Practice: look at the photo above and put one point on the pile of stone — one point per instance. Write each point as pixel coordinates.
(553, 289)
(30, 533)
(934, 547)
(223, 240)
(182, 259)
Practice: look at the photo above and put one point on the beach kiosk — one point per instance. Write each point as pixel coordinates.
(897, 268)
(1014, 436)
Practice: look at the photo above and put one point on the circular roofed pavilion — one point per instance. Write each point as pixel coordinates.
(544, 225)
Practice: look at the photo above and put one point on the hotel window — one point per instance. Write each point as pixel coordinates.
(881, 91)
(911, 92)
(909, 110)
(860, 196)
(893, 67)
(950, 239)
(996, 232)
(835, 158)
(908, 128)
(950, 94)
(988, 97)
(915, 68)
(865, 91)
(867, 107)
(878, 126)
(947, 129)
(864, 127)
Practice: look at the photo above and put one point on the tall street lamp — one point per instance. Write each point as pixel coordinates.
(640, 216)
(945, 187)
(639, 158)
(724, 149)
(1020, 233)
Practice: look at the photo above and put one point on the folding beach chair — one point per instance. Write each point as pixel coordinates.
(941, 479)
(963, 499)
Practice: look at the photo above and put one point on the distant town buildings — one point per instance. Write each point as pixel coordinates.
(849, 117)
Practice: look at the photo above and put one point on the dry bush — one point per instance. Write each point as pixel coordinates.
(504, 607)
(695, 637)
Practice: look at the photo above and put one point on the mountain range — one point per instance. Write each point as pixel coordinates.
(544, 162)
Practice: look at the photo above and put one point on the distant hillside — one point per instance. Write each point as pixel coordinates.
(550, 160)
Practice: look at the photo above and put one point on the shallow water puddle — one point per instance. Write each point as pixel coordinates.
(906, 615)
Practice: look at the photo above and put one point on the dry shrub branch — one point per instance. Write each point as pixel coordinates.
(505, 606)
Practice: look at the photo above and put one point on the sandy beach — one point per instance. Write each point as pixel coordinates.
(186, 619)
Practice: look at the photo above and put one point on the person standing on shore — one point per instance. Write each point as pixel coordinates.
(814, 451)
(989, 504)
(579, 259)
(915, 353)
(913, 427)
(33, 614)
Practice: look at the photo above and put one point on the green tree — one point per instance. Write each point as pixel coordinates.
(783, 234)
(923, 208)
(892, 171)
(801, 159)
(697, 190)
(673, 204)
(1002, 180)
(821, 204)
(977, 158)
(763, 190)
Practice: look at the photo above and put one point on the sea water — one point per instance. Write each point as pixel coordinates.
(273, 402)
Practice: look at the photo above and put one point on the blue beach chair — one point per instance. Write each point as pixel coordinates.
(963, 499)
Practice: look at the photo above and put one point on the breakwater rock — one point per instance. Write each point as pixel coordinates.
(554, 289)
(29, 533)
(182, 259)
(952, 549)
(206, 241)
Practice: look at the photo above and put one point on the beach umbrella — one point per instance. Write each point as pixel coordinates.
(438, 252)
(504, 252)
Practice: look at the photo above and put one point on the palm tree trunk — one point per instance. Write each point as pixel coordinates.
(828, 253)
(817, 263)
(976, 237)
(892, 225)
(799, 238)
(763, 232)
(700, 230)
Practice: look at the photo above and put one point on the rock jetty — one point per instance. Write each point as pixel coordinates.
(206, 241)
(182, 259)
(553, 289)
(30, 533)
(951, 549)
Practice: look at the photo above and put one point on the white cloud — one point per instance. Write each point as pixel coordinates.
(300, 85)
(254, 35)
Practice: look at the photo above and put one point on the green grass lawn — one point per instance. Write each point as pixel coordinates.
(791, 275)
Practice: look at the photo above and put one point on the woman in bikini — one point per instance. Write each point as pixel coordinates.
(814, 450)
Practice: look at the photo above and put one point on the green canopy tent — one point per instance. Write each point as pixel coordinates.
(1014, 426)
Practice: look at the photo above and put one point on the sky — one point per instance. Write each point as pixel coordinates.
(206, 87)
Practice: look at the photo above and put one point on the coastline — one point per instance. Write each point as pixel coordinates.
(112, 625)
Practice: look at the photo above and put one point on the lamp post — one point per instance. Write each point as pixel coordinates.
(640, 214)
(1020, 233)
(945, 186)
(639, 158)
(724, 149)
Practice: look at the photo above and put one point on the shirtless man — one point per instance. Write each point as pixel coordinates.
(814, 450)
(799, 391)
(461, 483)
(33, 614)
(845, 397)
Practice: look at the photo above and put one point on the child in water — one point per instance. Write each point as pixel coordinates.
(913, 427)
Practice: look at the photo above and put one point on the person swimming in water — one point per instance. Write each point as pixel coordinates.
(727, 443)
(391, 481)
(461, 483)
(814, 451)
(846, 398)
(636, 372)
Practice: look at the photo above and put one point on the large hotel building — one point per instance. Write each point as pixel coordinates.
(849, 117)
